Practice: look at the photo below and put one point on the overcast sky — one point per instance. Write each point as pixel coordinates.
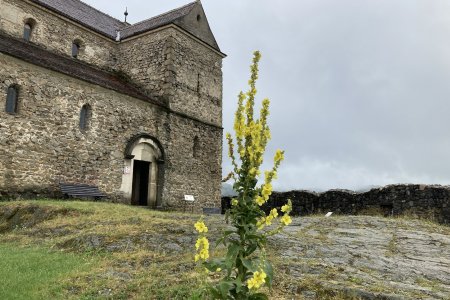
(359, 89)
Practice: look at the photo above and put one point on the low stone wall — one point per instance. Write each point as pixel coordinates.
(426, 201)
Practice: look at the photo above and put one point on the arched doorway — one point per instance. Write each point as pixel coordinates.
(143, 174)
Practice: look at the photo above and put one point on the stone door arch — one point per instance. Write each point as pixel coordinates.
(143, 175)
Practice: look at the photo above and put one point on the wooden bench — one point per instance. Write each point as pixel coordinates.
(81, 191)
(212, 210)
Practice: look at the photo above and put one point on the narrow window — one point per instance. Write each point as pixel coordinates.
(27, 28)
(11, 100)
(75, 49)
(198, 83)
(85, 117)
(196, 148)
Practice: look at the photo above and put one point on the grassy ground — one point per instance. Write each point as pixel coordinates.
(85, 250)
(34, 273)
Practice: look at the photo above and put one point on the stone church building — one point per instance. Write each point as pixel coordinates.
(88, 99)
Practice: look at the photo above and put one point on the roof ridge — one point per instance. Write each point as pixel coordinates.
(98, 10)
(160, 15)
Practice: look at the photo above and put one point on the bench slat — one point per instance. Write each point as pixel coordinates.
(80, 190)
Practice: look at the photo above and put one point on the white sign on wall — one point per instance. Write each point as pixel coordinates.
(126, 170)
(189, 198)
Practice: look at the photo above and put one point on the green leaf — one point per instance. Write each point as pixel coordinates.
(233, 251)
(247, 263)
(215, 293)
(258, 296)
(251, 249)
(214, 264)
(239, 286)
(224, 287)
(224, 239)
(268, 269)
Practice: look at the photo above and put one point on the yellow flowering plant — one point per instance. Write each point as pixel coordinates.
(245, 267)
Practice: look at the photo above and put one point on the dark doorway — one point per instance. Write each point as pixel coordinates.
(141, 174)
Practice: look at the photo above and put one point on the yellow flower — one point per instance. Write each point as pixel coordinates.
(218, 269)
(286, 220)
(266, 191)
(258, 279)
(202, 243)
(201, 227)
(260, 200)
(267, 134)
(202, 246)
(274, 213)
(285, 208)
(234, 202)
(279, 156)
(274, 175)
(204, 254)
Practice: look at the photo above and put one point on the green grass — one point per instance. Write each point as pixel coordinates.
(36, 273)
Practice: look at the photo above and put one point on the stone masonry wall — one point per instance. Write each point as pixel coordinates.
(42, 144)
(182, 72)
(166, 65)
(198, 80)
(428, 201)
(198, 175)
(144, 60)
(57, 34)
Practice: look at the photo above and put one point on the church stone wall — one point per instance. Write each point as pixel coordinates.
(184, 73)
(144, 61)
(197, 84)
(42, 145)
(57, 34)
(198, 175)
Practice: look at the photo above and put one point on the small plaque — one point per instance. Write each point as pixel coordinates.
(328, 214)
(189, 198)
(126, 170)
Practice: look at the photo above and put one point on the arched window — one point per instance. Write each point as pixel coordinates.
(11, 100)
(85, 117)
(76, 45)
(27, 32)
(196, 148)
(28, 29)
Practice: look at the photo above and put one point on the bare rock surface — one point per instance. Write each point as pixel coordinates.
(372, 257)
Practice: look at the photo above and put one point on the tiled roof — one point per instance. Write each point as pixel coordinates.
(36, 55)
(80, 12)
(157, 21)
(102, 23)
